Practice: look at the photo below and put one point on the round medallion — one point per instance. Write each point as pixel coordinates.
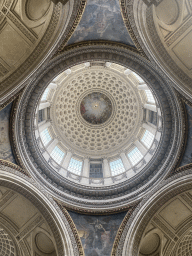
(96, 108)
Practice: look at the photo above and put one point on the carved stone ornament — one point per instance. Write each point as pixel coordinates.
(164, 38)
(176, 189)
(99, 199)
(66, 239)
(32, 47)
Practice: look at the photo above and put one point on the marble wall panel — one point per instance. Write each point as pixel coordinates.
(5, 146)
(97, 233)
(102, 20)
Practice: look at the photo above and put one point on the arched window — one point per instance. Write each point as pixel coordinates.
(147, 139)
(117, 167)
(135, 156)
(75, 166)
(45, 137)
(57, 154)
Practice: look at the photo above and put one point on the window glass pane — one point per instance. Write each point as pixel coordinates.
(75, 166)
(117, 167)
(150, 97)
(135, 156)
(41, 115)
(45, 137)
(147, 139)
(57, 154)
(96, 170)
(44, 96)
(152, 117)
(138, 78)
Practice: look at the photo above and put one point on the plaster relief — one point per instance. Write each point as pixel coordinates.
(37, 9)
(167, 11)
(175, 213)
(183, 50)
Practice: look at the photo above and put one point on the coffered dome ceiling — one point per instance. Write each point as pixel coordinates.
(96, 111)
(95, 129)
(30, 31)
(163, 30)
(161, 224)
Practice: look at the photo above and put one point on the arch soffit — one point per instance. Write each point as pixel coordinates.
(60, 222)
(64, 19)
(133, 227)
(163, 49)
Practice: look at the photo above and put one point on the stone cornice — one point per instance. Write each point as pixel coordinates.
(171, 108)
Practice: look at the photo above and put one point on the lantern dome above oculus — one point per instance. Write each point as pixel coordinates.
(112, 158)
(96, 108)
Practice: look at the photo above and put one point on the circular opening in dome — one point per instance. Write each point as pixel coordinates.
(104, 162)
(103, 128)
(96, 108)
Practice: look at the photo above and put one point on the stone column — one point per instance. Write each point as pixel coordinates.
(141, 148)
(125, 161)
(106, 169)
(149, 128)
(143, 87)
(52, 145)
(150, 107)
(44, 105)
(85, 171)
(44, 126)
(67, 160)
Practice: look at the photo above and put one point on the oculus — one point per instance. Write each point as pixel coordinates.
(96, 108)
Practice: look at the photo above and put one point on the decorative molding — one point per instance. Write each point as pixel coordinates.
(92, 211)
(125, 15)
(6, 198)
(163, 227)
(31, 226)
(92, 43)
(14, 166)
(151, 2)
(21, 27)
(73, 227)
(161, 194)
(33, 191)
(5, 104)
(73, 27)
(63, 37)
(141, 19)
(122, 228)
(168, 152)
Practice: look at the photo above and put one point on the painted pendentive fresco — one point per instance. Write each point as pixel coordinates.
(102, 20)
(96, 108)
(187, 157)
(5, 146)
(97, 233)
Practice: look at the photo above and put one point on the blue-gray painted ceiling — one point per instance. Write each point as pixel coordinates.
(102, 20)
